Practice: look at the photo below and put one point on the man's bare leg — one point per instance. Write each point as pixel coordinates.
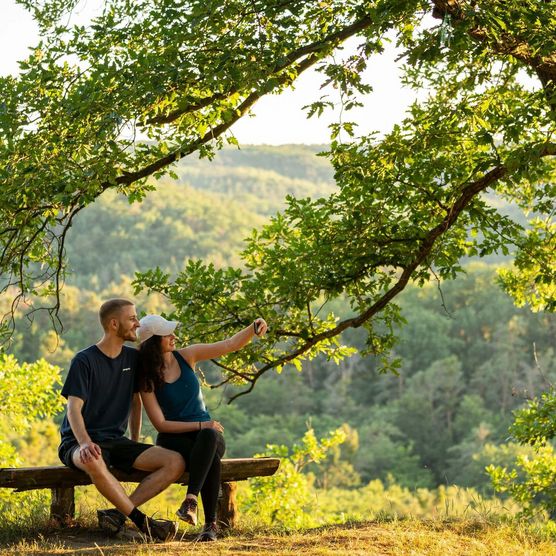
(166, 466)
(105, 482)
(113, 491)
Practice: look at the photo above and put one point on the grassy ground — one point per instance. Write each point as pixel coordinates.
(396, 537)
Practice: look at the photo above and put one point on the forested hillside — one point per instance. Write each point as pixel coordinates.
(205, 214)
(467, 353)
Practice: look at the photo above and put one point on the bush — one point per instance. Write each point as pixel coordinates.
(28, 394)
(286, 498)
(532, 480)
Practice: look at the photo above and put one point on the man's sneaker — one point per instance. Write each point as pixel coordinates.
(208, 533)
(111, 520)
(159, 529)
(188, 511)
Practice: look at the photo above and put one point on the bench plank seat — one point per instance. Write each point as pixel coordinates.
(62, 480)
(31, 478)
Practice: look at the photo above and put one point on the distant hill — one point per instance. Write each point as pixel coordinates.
(293, 161)
(261, 176)
(206, 213)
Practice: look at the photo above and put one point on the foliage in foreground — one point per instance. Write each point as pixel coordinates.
(290, 499)
(286, 497)
(531, 481)
(28, 394)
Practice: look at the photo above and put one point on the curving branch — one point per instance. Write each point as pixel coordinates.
(468, 193)
(128, 178)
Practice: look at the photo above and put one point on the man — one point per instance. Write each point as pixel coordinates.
(102, 397)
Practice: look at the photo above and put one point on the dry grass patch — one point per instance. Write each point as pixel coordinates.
(397, 537)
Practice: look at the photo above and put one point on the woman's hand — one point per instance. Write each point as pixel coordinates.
(212, 425)
(260, 327)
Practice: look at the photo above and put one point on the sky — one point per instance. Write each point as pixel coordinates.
(278, 119)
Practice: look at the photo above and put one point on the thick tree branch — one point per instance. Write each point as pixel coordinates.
(130, 177)
(468, 193)
(507, 45)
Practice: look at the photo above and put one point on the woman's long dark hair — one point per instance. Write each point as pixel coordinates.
(151, 364)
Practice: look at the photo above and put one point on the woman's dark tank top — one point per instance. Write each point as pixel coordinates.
(182, 400)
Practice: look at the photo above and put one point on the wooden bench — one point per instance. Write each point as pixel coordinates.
(62, 482)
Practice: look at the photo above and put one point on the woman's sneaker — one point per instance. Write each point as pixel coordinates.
(188, 511)
(208, 533)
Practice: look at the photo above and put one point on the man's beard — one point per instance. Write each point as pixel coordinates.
(126, 335)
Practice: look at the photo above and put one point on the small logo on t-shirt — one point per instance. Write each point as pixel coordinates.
(126, 369)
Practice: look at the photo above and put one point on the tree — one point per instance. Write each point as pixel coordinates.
(426, 412)
(27, 393)
(388, 454)
(409, 206)
(179, 73)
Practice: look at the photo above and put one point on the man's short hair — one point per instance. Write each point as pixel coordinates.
(111, 308)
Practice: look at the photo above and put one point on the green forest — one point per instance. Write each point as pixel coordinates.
(469, 356)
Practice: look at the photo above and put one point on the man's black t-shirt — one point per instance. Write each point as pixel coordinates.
(106, 386)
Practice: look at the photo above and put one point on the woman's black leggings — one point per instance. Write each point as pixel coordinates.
(202, 451)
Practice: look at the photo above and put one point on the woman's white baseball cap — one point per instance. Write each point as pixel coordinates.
(155, 325)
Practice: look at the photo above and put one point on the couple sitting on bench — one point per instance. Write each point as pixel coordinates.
(104, 388)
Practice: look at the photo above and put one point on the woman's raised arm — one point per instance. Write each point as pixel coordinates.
(202, 352)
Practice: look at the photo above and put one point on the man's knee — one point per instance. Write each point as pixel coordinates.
(92, 468)
(175, 464)
(171, 461)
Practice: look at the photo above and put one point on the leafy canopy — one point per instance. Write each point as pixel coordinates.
(108, 105)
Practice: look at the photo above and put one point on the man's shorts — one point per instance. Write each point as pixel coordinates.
(120, 453)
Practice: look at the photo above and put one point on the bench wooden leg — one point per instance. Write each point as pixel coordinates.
(227, 510)
(62, 505)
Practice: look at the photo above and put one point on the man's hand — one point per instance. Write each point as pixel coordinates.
(88, 451)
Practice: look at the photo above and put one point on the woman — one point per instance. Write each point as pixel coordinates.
(172, 397)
